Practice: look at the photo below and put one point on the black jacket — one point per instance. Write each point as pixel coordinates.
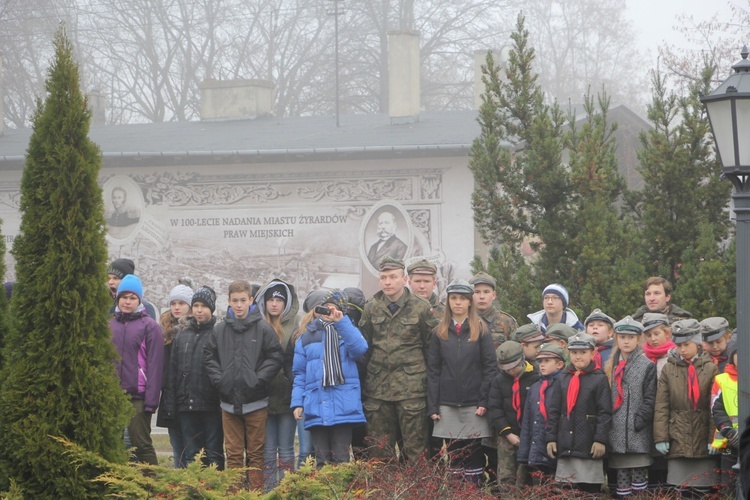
(591, 418)
(501, 412)
(242, 356)
(190, 388)
(458, 371)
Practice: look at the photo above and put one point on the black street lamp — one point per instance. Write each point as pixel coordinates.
(728, 110)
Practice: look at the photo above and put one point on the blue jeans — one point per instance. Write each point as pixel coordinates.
(305, 443)
(203, 430)
(178, 446)
(278, 451)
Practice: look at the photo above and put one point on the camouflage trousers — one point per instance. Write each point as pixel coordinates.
(509, 471)
(387, 420)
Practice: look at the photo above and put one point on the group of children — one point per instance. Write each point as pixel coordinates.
(626, 403)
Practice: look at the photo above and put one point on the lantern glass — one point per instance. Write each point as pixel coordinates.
(720, 114)
(743, 131)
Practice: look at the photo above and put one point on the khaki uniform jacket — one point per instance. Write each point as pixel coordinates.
(398, 344)
(688, 431)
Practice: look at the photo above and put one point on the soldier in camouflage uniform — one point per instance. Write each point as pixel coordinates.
(422, 283)
(397, 326)
(502, 325)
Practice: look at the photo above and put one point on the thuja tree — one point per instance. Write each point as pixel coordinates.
(4, 320)
(58, 379)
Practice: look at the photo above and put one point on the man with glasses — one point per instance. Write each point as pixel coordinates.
(555, 299)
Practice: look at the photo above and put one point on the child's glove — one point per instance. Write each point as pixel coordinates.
(733, 435)
(598, 450)
(712, 450)
(552, 450)
(662, 448)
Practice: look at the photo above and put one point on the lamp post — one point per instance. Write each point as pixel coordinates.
(728, 110)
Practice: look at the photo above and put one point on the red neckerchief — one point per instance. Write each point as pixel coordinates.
(598, 357)
(543, 399)
(573, 388)
(516, 400)
(719, 359)
(654, 353)
(731, 370)
(694, 391)
(619, 396)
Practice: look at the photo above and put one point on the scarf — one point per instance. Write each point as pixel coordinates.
(654, 353)
(619, 395)
(516, 400)
(543, 399)
(332, 372)
(573, 388)
(718, 360)
(694, 390)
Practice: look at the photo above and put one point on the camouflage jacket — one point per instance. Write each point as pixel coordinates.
(501, 325)
(437, 306)
(396, 368)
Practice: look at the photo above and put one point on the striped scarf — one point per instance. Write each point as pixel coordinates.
(332, 372)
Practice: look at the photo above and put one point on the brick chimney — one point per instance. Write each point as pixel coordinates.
(403, 76)
(236, 99)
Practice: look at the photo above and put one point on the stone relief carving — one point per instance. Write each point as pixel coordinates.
(11, 198)
(359, 190)
(431, 187)
(420, 220)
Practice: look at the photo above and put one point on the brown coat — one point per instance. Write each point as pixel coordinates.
(688, 431)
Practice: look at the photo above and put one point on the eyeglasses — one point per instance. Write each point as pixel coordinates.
(551, 297)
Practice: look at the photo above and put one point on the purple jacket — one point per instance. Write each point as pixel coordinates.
(139, 342)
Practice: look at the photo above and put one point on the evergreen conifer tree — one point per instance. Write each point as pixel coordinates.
(682, 185)
(608, 264)
(59, 379)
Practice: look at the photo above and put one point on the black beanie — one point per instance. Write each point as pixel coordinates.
(276, 291)
(121, 268)
(205, 295)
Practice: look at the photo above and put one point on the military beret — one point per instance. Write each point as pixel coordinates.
(528, 333)
(551, 351)
(581, 341)
(652, 320)
(560, 331)
(389, 264)
(629, 326)
(423, 266)
(482, 278)
(460, 286)
(686, 330)
(598, 315)
(714, 328)
(509, 355)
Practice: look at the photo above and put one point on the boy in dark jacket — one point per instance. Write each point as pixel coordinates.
(533, 448)
(191, 394)
(139, 343)
(242, 356)
(580, 416)
(506, 402)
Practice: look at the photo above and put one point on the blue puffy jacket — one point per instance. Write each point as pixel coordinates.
(340, 404)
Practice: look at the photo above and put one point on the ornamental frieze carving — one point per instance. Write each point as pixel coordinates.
(358, 190)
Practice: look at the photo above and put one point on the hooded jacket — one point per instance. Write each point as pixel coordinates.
(632, 422)
(539, 318)
(674, 313)
(242, 356)
(688, 431)
(139, 342)
(280, 388)
(327, 406)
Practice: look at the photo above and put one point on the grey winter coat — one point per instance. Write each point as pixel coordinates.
(632, 422)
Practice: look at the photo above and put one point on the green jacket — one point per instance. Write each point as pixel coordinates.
(398, 344)
(675, 313)
(502, 325)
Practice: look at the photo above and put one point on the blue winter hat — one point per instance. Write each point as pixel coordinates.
(558, 290)
(132, 284)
